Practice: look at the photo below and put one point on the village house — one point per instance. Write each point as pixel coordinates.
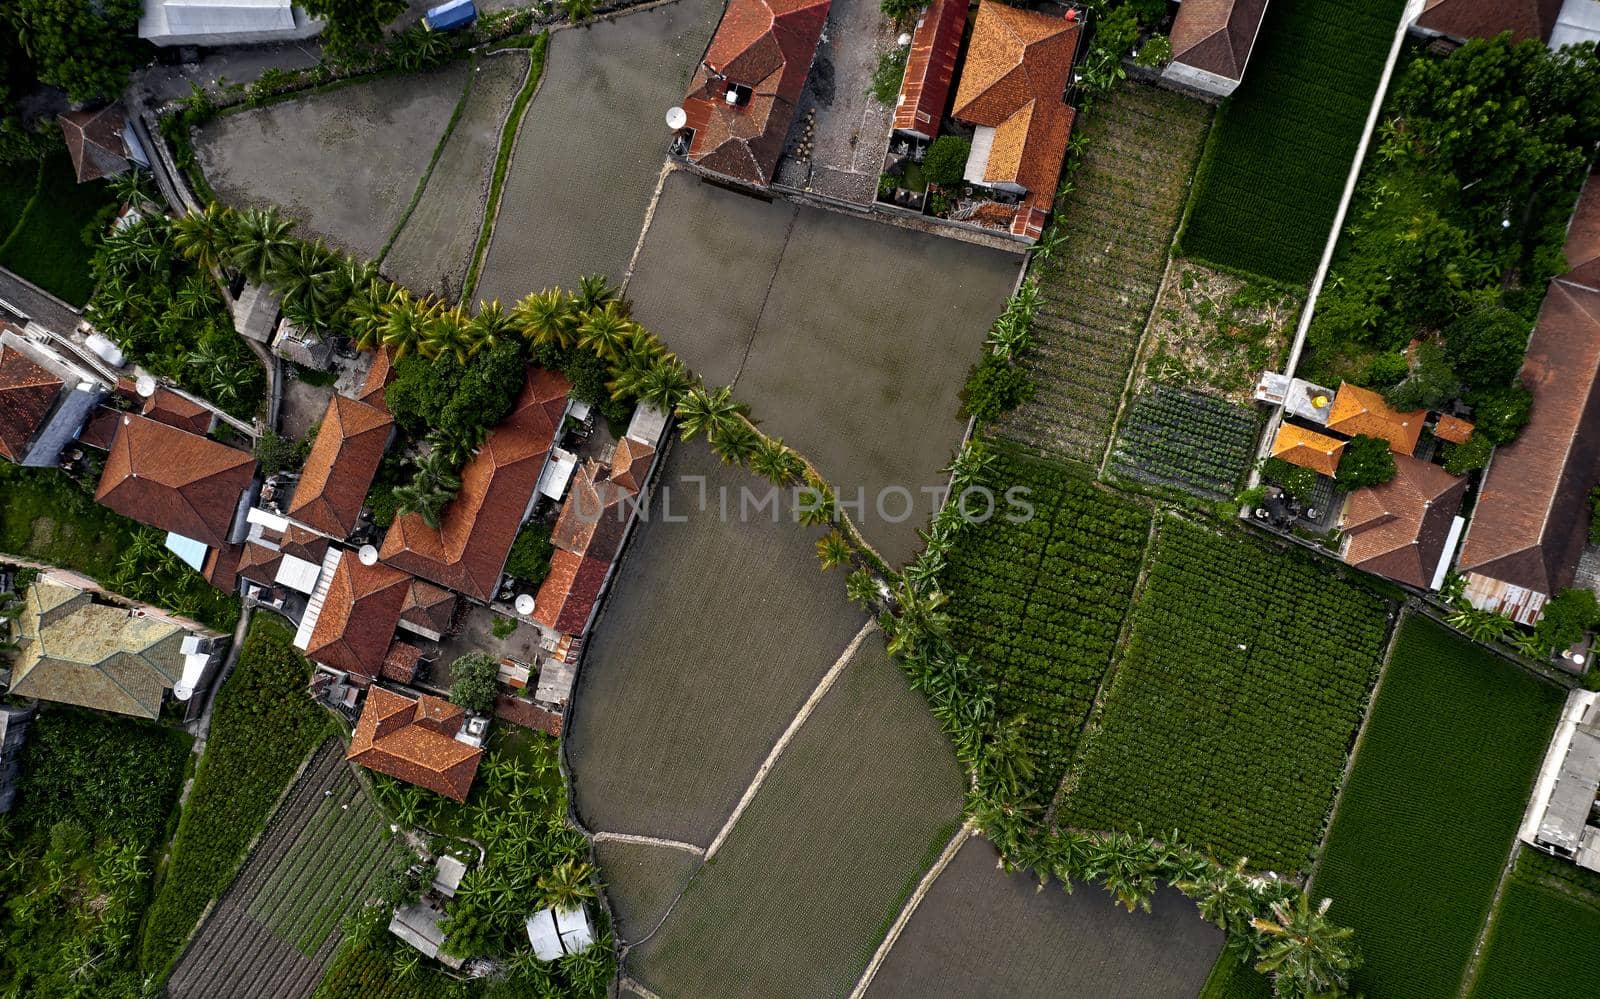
(1403, 529)
(1555, 22)
(1531, 520)
(1563, 817)
(930, 70)
(100, 143)
(46, 398)
(425, 741)
(344, 460)
(224, 22)
(1211, 45)
(744, 92)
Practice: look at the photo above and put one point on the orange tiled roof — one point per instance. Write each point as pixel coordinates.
(167, 406)
(930, 67)
(1453, 429)
(1217, 35)
(630, 463)
(1486, 18)
(342, 464)
(1016, 72)
(401, 661)
(1358, 410)
(174, 480)
(221, 567)
(94, 141)
(429, 606)
(1307, 448)
(378, 378)
(568, 593)
(259, 564)
(468, 550)
(594, 516)
(359, 616)
(766, 46)
(27, 393)
(1398, 529)
(413, 740)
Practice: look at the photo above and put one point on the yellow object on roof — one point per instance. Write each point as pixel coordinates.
(1307, 448)
(1361, 411)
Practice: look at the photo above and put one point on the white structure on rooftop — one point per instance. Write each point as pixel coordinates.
(1579, 21)
(555, 933)
(224, 22)
(1561, 819)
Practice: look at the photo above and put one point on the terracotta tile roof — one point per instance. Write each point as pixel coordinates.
(1531, 519)
(167, 406)
(468, 550)
(414, 742)
(1358, 410)
(27, 394)
(1016, 72)
(221, 567)
(594, 516)
(174, 480)
(569, 592)
(359, 616)
(630, 463)
(766, 46)
(1307, 448)
(1398, 529)
(401, 661)
(343, 462)
(527, 714)
(305, 545)
(1453, 429)
(1583, 237)
(101, 429)
(1486, 18)
(930, 67)
(1217, 35)
(94, 141)
(259, 564)
(378, 378)
(429, 606)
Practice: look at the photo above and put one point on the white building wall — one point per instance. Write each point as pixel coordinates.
(1185, 77)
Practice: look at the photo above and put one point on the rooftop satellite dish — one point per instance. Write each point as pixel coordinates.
(524, 604)
(368, 555)
(145, 386)
(677, 118)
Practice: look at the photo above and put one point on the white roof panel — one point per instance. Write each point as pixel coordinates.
(192, 552)
(542, 934)
(298, 574)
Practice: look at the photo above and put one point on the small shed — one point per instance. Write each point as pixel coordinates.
(448, 877)
(302, 347)
(418, 925)
(255, 313)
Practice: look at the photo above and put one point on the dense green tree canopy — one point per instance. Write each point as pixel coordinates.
(352, 25)
(1367, 461)
(474, 682)
(84, 48)
(1485, 346)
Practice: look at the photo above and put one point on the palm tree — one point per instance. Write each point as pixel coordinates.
(776, 462)
(260, 242)
(1302, 945)
(304, 278)
(1006, 763)
(405, 324)
(432, 487)
(566, 885)
(1223, 896)
(708, 411)
(815, 503)
(447, 331)
(971, 466)
(861, 588)
(490, 326)
(606, 331)
(663, 383)
(596, 290)
(368, 309)
(546, 318)
(457, 447)
(735, 442)
(578, 11)
(203, 236)
(833, 550)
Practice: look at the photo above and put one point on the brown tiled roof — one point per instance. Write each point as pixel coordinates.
(1583, 237)
(1014, 79)
(468, 550)
(259, 564)
(1531, 519)
(1307, 448)
(1217, 35)
(930, 67)
(359, 616)
(305, 545)
(1486, 18)
(569, 592)
(400, 663)
(27, 392)
(1398, 529)
(630, 463)
(429, 606)
(767, 46)
(343, 462)
(174, 480)
(527, 714)
(378, 378)
(221, 567)
(1358, 410)
(94, 141)
(594, 516)
(414, 742)
(101, 429)
(167, 406)
(1453, 429)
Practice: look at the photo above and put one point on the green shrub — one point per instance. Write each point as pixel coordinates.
(1501, 415)
(1460, 459)
(1486, 346)
(1566, 617)
(1367, 461)
(279, 454)
(901, 11)
(1296, 480)
(475, 682)
(1430, 386)
(891, 69)
(529, 560)
(994, 388)
(946, 160)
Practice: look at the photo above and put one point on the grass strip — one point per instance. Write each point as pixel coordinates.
(438, 151)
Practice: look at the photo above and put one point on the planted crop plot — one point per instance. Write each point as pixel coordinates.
(344, 162)
(982, 932)
(1100, 284)
(1231, 712)
(1542, 943)
(434, 246)
(1039, 603)
(642, 881)
(1191, 442)
(1283, 147)
(591, 147)
(1454, 742)
(275, 930)
(717, 630)
(851, 815)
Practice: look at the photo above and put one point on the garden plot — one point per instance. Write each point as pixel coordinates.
(852, 814)
(642, 881)
(1099, 285)
(275, 931)
(435, 246)
(1543, 939)
(982, 932)
(1196, 443)
(1215, 332)
(849, 338)
(1231, 712)
(717, 630)
(591, 147)
(344, 162)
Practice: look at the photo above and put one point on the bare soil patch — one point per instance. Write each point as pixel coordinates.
(1215, 332)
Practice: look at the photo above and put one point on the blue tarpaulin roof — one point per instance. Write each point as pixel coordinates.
(455, 14)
